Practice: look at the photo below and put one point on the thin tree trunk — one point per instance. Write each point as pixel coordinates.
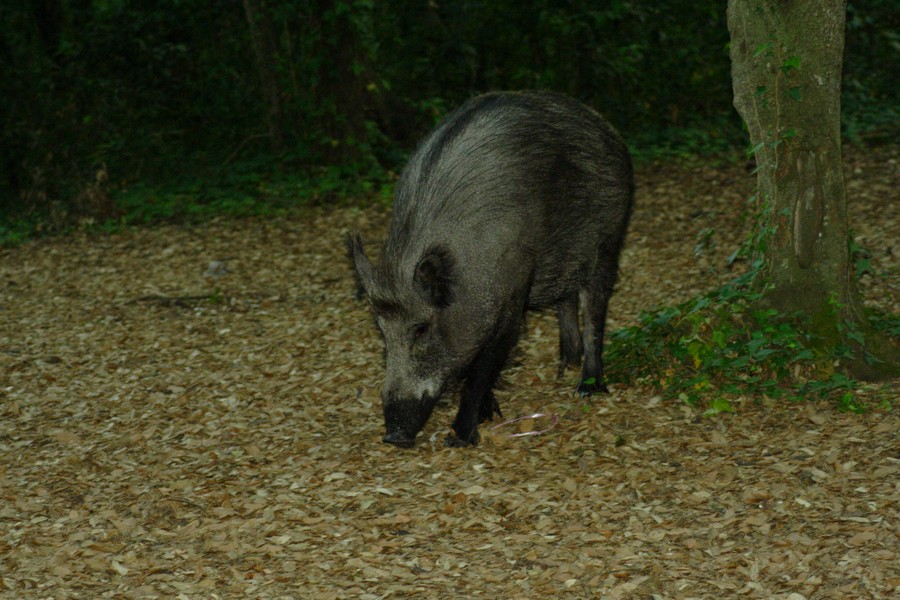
(264, 48)
(341, 88)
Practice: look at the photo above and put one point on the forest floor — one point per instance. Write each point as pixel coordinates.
(172, 428)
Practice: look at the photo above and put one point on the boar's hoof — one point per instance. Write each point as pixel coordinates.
(589, 387)
(454, 442)
(397, 438)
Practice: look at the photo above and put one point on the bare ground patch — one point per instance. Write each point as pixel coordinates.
(171, 428)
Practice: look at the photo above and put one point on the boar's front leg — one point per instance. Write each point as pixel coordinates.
(477, 402)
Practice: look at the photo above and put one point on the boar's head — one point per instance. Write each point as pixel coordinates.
(411, 311)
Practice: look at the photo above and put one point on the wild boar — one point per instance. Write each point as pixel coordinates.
(516, 201)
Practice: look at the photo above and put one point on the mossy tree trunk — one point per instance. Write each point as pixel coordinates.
(786, 60)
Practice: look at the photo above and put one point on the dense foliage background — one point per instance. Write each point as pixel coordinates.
(148, 109)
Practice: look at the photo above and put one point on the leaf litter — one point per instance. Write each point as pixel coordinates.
(193, 412)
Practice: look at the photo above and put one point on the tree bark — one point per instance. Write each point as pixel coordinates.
(264, 48)
(786, 71)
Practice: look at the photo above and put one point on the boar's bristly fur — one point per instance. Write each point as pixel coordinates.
(517, 201)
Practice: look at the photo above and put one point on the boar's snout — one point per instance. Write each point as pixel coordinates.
(403, 419)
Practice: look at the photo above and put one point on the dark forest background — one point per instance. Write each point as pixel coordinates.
(135, 110)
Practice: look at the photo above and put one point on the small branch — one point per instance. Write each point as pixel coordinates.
(240, 147)
(182, 301)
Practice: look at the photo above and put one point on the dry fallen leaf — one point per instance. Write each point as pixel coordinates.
(160, 438)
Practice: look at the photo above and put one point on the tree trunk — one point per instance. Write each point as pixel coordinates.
(261, 35)
(786, 71)
(341, 88)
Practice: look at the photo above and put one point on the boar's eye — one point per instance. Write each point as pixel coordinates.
(420, 330)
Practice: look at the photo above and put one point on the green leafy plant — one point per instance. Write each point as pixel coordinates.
(722, 345)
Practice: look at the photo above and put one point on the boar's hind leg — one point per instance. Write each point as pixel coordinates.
(488, 407)
(477, 402)
(594, 301)
(570, 345)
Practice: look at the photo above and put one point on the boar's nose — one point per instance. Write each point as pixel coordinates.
(399, 438)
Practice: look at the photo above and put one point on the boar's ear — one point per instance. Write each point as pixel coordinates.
(435, 276)
(362, 266)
